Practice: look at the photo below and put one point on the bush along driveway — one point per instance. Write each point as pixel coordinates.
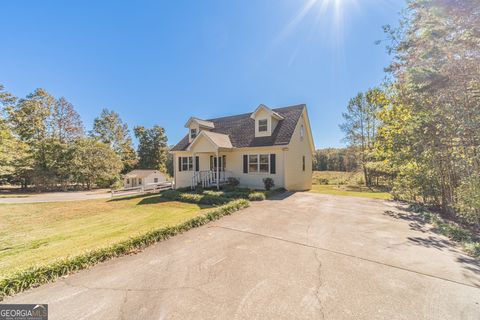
(37, 275)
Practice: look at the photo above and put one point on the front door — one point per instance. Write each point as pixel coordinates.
(221, 163)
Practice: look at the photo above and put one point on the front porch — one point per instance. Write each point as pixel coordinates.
(210, 178)
(205, 161)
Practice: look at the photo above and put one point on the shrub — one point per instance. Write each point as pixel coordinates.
(468, 200)
(171, 194)
(237, 194)
(323, 181)
(208, 197)
(268, 183)
(233, 182)
(214, 193)
(213, 200)
(190, 197)
(256, 196)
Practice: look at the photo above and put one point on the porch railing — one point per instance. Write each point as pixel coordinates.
(208, 178)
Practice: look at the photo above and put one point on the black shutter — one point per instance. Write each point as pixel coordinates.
(197, 163)
(179, 163)
(245, 163)
(272, 163)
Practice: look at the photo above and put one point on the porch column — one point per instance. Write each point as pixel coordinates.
(218, 178)
(194, 180)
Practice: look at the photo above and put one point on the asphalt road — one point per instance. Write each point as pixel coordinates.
(308, 256)
(57, 196)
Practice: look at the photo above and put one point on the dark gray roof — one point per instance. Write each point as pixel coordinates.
(241, 129)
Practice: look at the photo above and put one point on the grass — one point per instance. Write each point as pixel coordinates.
(39, 233)
(37, 275)
(345, 184)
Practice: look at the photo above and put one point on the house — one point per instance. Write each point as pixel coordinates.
(140, 177)
(275, 143)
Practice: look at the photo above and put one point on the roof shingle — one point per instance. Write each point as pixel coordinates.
(241, 129)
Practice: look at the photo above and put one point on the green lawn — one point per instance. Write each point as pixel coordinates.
(39, 233)
(345, 184)
(353, 191)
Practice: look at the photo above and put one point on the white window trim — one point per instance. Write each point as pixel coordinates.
(187, 161)
(258, 163)
(266, 125)
(196, 133)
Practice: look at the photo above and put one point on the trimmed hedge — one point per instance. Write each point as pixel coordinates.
(36, 276)
(195, 197)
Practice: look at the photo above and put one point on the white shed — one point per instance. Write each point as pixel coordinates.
(144, 178)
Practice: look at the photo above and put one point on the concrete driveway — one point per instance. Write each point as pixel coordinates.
(308, 256)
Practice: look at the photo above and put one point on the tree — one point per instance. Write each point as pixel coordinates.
(435, 82)
(361, 126)
(333, 159)
(30, 116)
(30, 119)
(94, 162)
(110, 129)
(66, 122)
(45, 127)
(169, 164)
(152, 148)
(10, 147)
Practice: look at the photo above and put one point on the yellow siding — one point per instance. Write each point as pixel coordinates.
(289, 173)
(295, 177)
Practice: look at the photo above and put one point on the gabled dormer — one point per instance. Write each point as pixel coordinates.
(266, 121)
(195, 125)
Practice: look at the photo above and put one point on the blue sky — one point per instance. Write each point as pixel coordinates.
(160, 62)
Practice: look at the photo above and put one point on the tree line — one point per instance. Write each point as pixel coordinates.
(421, 129)
(335, 159)
(43, 144)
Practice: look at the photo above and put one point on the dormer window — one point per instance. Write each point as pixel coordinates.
(263, 125)
(193, 133)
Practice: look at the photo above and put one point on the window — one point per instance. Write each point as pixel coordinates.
(303, 163)
(259, 163)
(264, 163)
(253, 163)
(262, 125)
(187, 163)
(139, 181)
(193, 133)
(302, 132)
(155, 180)
(128, 181)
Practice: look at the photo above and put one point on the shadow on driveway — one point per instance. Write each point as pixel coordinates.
(438, 241)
